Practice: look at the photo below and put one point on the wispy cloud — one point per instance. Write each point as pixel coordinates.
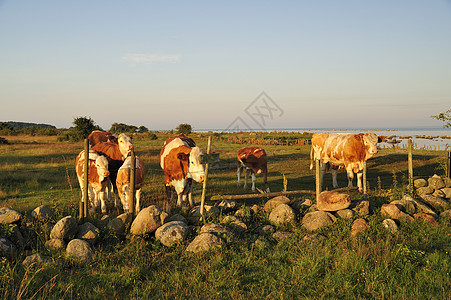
(136, 58)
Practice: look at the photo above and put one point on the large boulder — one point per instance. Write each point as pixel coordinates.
(218, 230)
(148, 220)
(436, 182)
(36, 258)
(205, 242)
(42, 213)
(66, 228)
(393, 212)
(173, 232)
(9, 216)
(436, 202)
(120, 223)
(282, 214)
(317, 219)
(358, 226)
(333, 201)
(80, 250)
(425, 190)
(421, 182)
(55, 244)
(88, 232)
(274, 202)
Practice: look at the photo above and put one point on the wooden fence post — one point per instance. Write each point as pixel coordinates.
(365, 194)
(204, 187)
(84, 200)
(410, 165)
(448, 170)
(131, 196)
(318, 178)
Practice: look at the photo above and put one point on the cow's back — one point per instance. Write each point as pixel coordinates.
(111, 150)
(253, 157)
(172, 143)
(344, 149)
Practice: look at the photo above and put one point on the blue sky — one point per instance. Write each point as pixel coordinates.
(339, 64)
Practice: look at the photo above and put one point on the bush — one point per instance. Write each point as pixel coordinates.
(184, 128)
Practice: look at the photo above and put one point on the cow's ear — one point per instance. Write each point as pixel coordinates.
(183, 156)
(380, 139)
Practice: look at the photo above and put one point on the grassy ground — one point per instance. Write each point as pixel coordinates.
(414, 263)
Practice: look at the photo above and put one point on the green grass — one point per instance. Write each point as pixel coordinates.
(415, 263)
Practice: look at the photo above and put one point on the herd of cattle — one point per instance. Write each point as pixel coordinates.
(180, 159)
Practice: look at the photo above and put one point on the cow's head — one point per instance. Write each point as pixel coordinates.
(370, 139)
(195, 167)
(125, 144)
(102, 167)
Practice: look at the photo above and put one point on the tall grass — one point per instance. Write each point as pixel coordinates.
(414, 263)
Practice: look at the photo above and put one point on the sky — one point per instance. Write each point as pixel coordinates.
(226, 64)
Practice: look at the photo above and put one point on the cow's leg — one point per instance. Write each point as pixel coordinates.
(359, 180)
(334, 172)
(189, 187)
(265, 180)
(254, 179)
(238, 173)
(246, 177)
(169, 196)
(102, 201)
(92, 196)
(350, 177)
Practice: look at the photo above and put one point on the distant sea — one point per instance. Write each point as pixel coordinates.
(438, 138)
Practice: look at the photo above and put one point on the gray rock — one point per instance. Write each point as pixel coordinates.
(261, 242)
(317, 219)
(282, 214)
(36, 258)
(209, 212)
(173, 232)
(9, 216)
(437, 203)
(42, 213)
(361, 207)
(426, 190)
(314, 237)
(436, 182)
(205, 242)
(235, 224)
(281, 235)
(66, 228)
(301, 204)
(359, 226)
(177, 217)
(392, 211)
(55, 244)
(421, 182)
(80, 250)
(148, 220)
(244, 213)
(447, 192)
(274, 202)
(116, 226)
(391, 225)
(7, 248)
(345, 214)
(88, 232)
(333, 201)
(228, 206)
(265, 229)
(217, 230)
(104, 221)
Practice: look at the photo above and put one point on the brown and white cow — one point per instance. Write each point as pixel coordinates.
(254, 161)
(344, 149)
(116, 154)
(180, 160)
(98, 136)
(97, 177)
(123, 182)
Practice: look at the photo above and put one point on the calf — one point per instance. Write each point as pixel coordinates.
(344, 149)
(180, 160)
(97, 177)
(254, 161)
(98, 136)
(123, 182)
(116, 154)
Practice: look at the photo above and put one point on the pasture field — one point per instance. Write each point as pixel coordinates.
(414, 263)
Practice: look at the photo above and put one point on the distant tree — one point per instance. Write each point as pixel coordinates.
(121, 127)
(83, 127)
(184, 128)
(143, 129)
(444, 117)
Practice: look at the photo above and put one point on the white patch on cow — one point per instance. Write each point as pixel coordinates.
(179, 185)
(125, 144)
(168, 147)
(195, 168)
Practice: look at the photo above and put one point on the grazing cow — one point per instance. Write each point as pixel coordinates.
(344, 149)
(116, 154)
(123, 182)
(98, 136)
(254, 161)
(97, 177)
(180, 160)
